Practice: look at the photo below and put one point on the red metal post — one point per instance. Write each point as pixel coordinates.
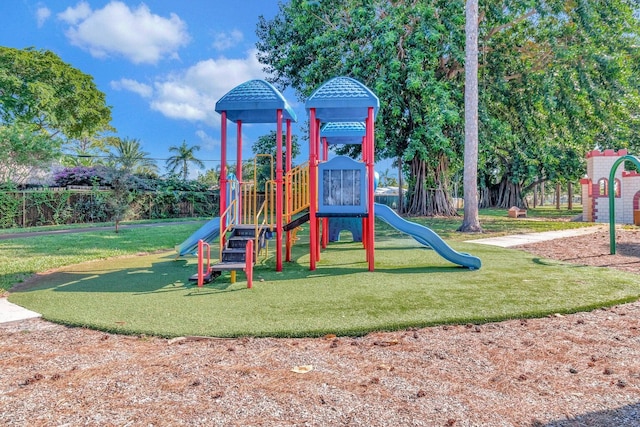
(249, 263)
(279, 194)
(288, 190)
(365, 223)
(223, 166)
(371, 218)
(325, 221)
(313, 196)
(317, 148)
(239, 170)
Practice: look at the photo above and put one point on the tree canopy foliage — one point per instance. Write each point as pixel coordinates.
(44, 102)
(266, 165)
(556, 78)
(183, 157)
(127, 156)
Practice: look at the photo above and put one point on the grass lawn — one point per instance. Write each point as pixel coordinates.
(411, 286)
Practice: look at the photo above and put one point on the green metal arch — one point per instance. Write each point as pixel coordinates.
(612, 196)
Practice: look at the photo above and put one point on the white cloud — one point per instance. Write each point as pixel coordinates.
(73, 15)
(224, 41)
(116, 30)
(192, 94)
(42, 14)
(208, 143)
(141, 89)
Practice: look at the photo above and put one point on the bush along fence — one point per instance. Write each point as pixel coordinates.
(73, 205)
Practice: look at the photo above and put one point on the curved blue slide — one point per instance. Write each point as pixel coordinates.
(207, 232)
(426, 236)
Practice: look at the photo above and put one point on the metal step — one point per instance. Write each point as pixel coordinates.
(209, 277)
(238, 242)
(228, 266)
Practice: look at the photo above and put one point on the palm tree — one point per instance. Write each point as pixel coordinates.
(127, 155)
(180, 161)
(471, 221)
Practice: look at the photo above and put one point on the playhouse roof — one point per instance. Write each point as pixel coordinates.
(255, 101)
(342, 99)
(343, 132)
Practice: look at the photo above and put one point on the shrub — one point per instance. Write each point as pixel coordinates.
(82, 175)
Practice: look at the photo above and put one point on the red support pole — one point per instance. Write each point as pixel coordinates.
(239, 169)
(370, 211)
(317, 148)
(325, 221)
(248, 258)
(200, 263)
(313, 196)
(223, 165)
(365, 223)
(288, 190)
(279, 194)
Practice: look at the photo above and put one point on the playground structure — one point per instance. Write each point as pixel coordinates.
(331, 194)
(601, 182)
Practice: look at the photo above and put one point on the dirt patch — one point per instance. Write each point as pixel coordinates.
(594, 249)
(575, 370)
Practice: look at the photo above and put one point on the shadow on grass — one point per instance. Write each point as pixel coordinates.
(154, 274)
(135, 275)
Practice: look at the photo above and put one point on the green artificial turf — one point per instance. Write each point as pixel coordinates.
(411, 287)
(21, 257)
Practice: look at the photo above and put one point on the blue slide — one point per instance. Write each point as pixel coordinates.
(207, 232)
(426, 236)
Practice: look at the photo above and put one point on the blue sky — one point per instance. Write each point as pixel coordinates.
(162, 64)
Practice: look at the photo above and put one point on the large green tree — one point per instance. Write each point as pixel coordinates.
(183, 157)
(556, 78)
(44, 102)
(393, 48)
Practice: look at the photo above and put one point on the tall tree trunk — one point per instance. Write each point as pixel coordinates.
(504, 195)
(435, 201)
(570, 196)
(400, 186)
(471, 222)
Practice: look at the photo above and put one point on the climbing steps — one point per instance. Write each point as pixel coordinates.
(233, 255)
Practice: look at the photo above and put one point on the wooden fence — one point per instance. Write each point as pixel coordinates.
(55, 206)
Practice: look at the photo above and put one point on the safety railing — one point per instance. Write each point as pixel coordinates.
(227, 221)
(297, 189)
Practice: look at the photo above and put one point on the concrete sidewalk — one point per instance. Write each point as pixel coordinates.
(10, 312)
(524, 239)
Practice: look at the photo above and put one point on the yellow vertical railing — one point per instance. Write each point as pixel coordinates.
(249, 202)
(297, 185)
(270, 194)
(227, 221)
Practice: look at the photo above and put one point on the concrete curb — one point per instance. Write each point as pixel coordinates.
(10, 312)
